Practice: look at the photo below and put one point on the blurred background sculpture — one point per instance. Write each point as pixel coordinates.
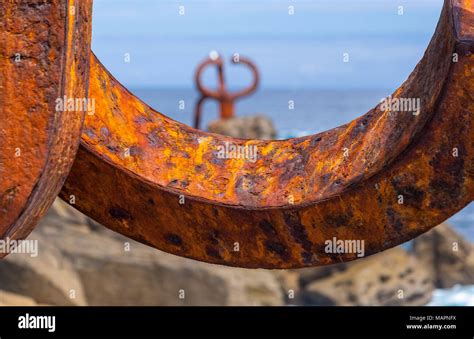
(225, 98)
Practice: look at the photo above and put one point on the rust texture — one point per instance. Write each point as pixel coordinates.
(225, 98)
(310, 169)
(166, 185)
(44, 55)
(464, 19)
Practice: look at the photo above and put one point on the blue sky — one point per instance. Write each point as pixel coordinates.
(300, 51)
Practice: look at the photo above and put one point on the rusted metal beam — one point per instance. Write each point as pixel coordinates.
(383, 178)
(44, 55)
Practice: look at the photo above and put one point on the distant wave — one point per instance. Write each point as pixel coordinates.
(456, 296)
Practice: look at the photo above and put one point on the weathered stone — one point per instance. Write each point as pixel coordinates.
(249, 287)
(47, 278)
(245, 127)
(61, 213)
(105, 268)
(308, 275)
(13, 299)
(447, 255)
(392, 277)
(289, 284)
(114, 270)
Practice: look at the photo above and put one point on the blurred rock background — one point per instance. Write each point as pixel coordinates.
(246, 127)
(83, 263)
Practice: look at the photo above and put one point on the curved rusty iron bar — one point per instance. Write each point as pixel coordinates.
(255, 75)
(383, 178)
(44, 55)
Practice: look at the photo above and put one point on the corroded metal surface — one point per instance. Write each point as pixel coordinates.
(226, 99)
(464, 18)
(384, 178)
(44, 55)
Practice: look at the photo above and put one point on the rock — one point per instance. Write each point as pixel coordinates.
(448, 257)
(289, 284)
(390, 278)
(46, 278)
(249, 287)
(12, 299)
(246, 127)
(115, 270)
(308, 275)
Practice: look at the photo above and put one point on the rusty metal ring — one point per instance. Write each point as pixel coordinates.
(44, 57)
(383, 178)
